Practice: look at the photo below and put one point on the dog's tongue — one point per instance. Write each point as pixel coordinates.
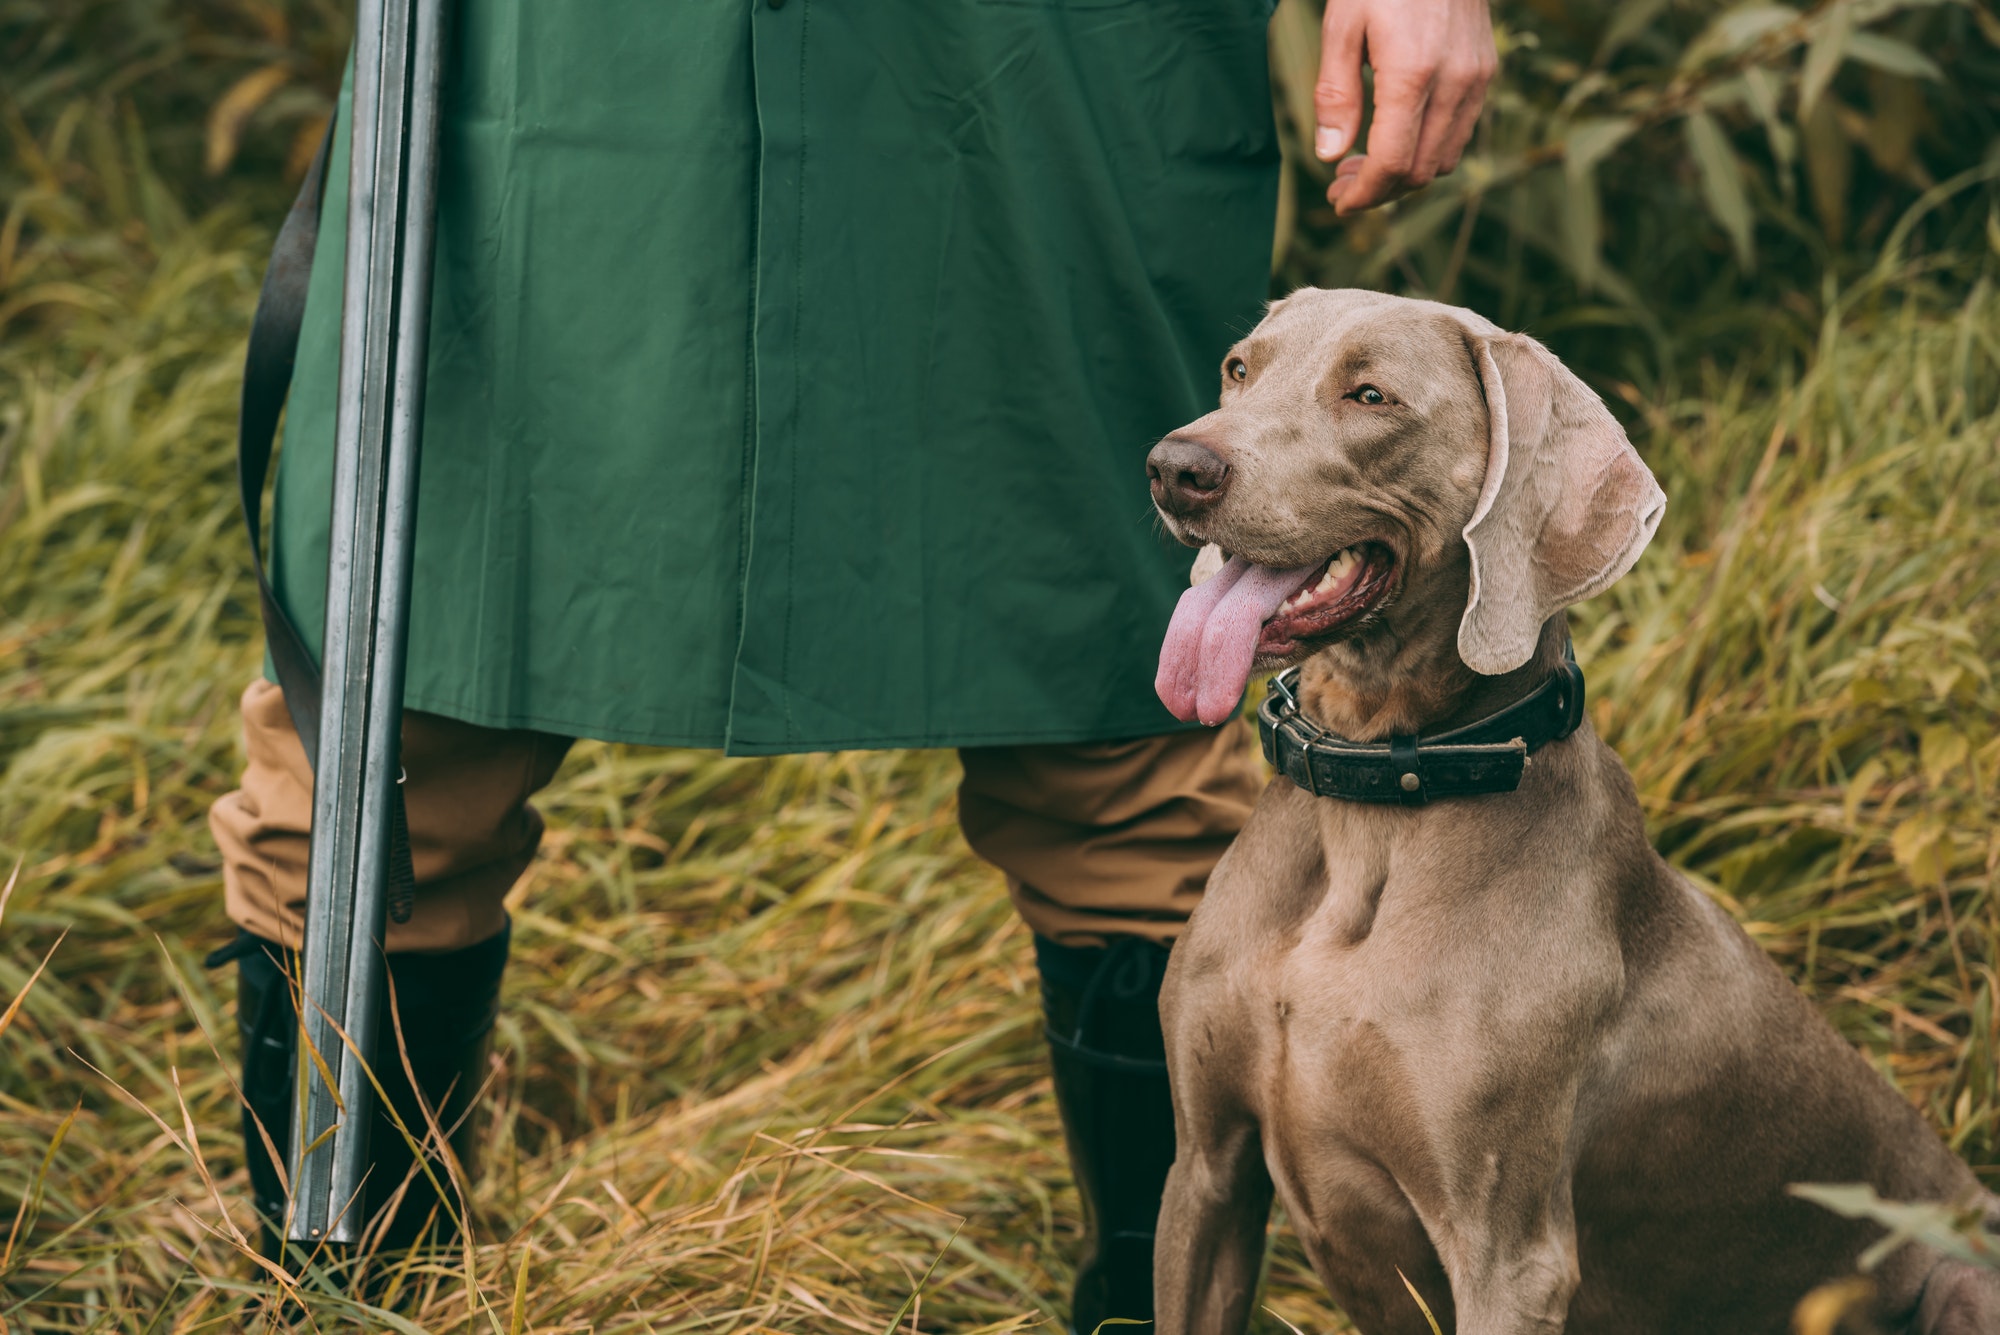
(1212, 640)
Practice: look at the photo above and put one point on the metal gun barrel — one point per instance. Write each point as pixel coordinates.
(385, 321)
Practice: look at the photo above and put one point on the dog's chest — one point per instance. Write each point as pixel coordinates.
(1358, 963)
(1355, 871)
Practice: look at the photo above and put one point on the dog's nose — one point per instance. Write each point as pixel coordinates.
(1186, 475)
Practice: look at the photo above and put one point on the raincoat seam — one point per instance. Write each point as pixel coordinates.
(752, 432)
(792, 455)
(753, 420)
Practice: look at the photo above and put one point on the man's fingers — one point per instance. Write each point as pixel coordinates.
(1400, 103)
(1343, 178)
(1449, 115)
(1337, 94)
(1463, 122)
(1433, 60)
(1449, 119)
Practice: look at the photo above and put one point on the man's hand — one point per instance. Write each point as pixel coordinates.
(1432, 62)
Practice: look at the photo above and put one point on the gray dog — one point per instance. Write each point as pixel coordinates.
(1454, 1009)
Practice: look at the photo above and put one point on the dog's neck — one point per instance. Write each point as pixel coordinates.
(1372, 688)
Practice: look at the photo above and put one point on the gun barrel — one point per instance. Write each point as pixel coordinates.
(385, 319)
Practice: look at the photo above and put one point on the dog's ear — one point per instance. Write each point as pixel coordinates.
(1566, 509)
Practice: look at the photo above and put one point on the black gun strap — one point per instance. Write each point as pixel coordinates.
(267, 380)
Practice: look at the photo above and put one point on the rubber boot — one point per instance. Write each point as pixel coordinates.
(1102, 1008)
(266, 1028)
(446, 1005)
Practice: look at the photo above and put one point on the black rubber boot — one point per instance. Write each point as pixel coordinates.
(446, 1005)
(1103, 1013)
(266, 1028)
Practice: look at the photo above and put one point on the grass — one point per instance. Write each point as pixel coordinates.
(771, 1053)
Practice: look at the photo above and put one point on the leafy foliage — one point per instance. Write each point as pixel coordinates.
(1657, 184)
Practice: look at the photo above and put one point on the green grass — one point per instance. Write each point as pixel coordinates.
(771, 1052)
(1799, 675)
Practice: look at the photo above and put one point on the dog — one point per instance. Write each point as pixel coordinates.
(1474, 1033)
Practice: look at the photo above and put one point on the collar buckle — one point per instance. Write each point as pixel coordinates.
(1486, 756)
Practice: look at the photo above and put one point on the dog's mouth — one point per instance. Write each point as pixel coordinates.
(1247, 616)
(1354, 582)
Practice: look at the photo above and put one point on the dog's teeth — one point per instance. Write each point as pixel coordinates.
(1337, 570)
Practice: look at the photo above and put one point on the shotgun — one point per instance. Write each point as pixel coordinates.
(357, 826)
(349, 713)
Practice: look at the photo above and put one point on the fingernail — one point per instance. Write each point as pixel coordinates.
(1328, 142)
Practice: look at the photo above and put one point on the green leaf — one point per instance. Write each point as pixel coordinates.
(930, 1270)
(1943, 748)
(517, 1321)
(1946, 680)
(1862, 787)
(1583, 227)
(1918, 844)
(1761, 90)
(1829, 159)
(1588, 141)
(1955, 1233)
(1632, 18)
(1722, 183)
(1892, 57)
(1832, 30)
(1585, 88)
(1734, 30)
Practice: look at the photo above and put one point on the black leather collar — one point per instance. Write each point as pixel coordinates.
(1483, 757)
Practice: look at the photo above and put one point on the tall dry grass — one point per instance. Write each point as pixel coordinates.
(770, 1057)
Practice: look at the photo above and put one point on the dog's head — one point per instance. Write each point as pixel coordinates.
(1381, 469)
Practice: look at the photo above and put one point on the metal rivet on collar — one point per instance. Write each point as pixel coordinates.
(1410, 783)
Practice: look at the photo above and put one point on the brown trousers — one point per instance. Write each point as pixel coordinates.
(1096, 840)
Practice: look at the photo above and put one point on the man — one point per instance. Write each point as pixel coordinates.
(793, 364)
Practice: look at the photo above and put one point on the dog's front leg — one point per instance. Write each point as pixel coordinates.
(1513, 1264)
(1210, 1243)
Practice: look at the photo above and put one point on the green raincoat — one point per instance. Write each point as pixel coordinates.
(794, 363)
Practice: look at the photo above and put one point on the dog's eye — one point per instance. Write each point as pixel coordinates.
(1238, 369)
(1369, 394)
